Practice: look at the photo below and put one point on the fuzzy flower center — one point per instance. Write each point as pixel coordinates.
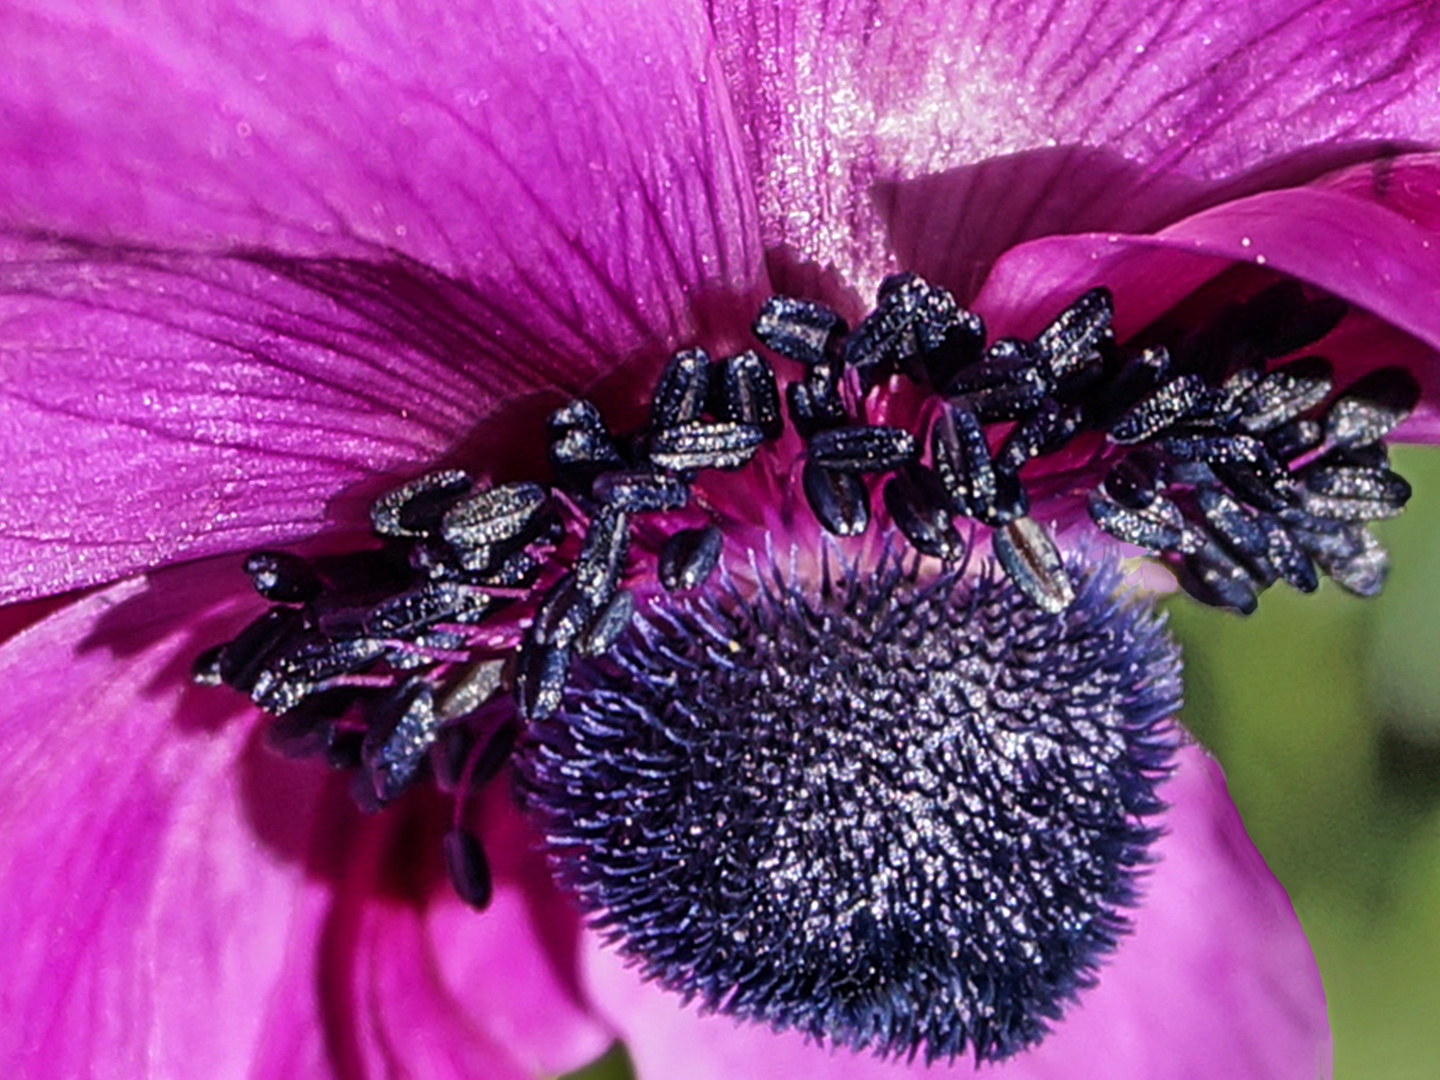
(891, 814)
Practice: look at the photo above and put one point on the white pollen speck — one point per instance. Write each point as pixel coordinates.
(1260, 260)
(1244, 241)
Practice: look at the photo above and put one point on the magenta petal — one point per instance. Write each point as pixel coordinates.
(155, 913)
(1341, 236)
(840, 97)
(181, 902)
(1370, 235)
(1216, 981)
(158, 407)
(410, 1020)
(516, 968)
(577, 156)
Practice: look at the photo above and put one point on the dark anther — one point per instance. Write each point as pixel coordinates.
(477, 684)
(917, 502)
(1134, 479)
(748, 395)
(1273, 323)
(1292, 322)
(563, 614)
(639, 491)
(960, 456)
(1138, 376)
(802, 330)
(1239, 532)
(1159, 410)
(1371, 407)
(540, 679)
(1287, 556)
(485, 527)
(283, 577)
(344, 751)
(682, 389)
(839, 500)
(415, 509)
(517, 571)
(1222, 450)
(1269, 487)
(405, 613)
(400, 739)
(1074, 342)
(242, 660)
(863, 449)
(580, 445)
(1051, 425)
(1028, 554)
(815, 402)
(308, 730)
(1213, 577)
(1158, 525)
(1007, 384)
(1346, 551)
(963, 345)
(206, 669)
(602, 556)
(468, 868)
(303, 665)
(1284, 393)
(721, 444)
(911, 320)
(688, 557)
(1295, 439)
(1352, 493)
(609, 623)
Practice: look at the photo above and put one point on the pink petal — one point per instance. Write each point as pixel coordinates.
(1366, 234)
(156, 407)
(843, 100)
(156, 911)
(1215, 981)
(579, 156)
(425, 987)
(436, 991)
(575, 171)
(181, 902)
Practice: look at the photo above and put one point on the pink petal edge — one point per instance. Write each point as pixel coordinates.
(181, 902)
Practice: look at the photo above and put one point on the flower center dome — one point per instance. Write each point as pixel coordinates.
(889, 813)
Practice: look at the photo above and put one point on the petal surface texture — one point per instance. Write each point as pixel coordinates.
(842, 96)
(532, 199)
(190, 904)
(1216, 980)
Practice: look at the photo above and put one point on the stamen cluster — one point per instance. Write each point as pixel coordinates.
(1236, 475)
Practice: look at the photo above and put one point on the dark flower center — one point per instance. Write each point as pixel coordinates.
(896, 808)
(891, 814)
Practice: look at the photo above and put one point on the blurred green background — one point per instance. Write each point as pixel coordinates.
(1325, 711)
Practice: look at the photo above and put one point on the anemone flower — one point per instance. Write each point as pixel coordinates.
(277, 278)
